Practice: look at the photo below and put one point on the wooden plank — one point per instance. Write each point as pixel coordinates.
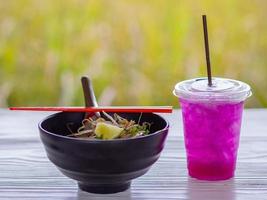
(26, 173)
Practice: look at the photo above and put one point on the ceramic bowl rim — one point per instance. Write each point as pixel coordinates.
(99, 140)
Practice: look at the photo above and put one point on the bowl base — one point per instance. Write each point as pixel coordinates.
(104, 188)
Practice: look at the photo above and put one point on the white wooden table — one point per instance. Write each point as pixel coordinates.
(26, 173)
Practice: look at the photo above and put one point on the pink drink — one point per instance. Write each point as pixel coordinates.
(211, 138)
(212, 120)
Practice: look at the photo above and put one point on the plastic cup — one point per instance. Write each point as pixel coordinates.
(212, 119)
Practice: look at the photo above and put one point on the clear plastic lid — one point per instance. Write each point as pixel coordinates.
(222, 89)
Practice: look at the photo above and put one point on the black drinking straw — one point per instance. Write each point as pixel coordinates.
(207, 51)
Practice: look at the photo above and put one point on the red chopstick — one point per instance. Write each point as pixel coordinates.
(118, 109)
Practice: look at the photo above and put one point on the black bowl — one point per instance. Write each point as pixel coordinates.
(102, 166)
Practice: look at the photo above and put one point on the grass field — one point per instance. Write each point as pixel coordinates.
(133, 50)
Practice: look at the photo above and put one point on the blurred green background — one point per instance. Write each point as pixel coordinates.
(133, 50)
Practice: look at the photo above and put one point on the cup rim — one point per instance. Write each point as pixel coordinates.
(239, 93)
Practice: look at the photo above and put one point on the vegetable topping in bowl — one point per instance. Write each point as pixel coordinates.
(110, 128)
